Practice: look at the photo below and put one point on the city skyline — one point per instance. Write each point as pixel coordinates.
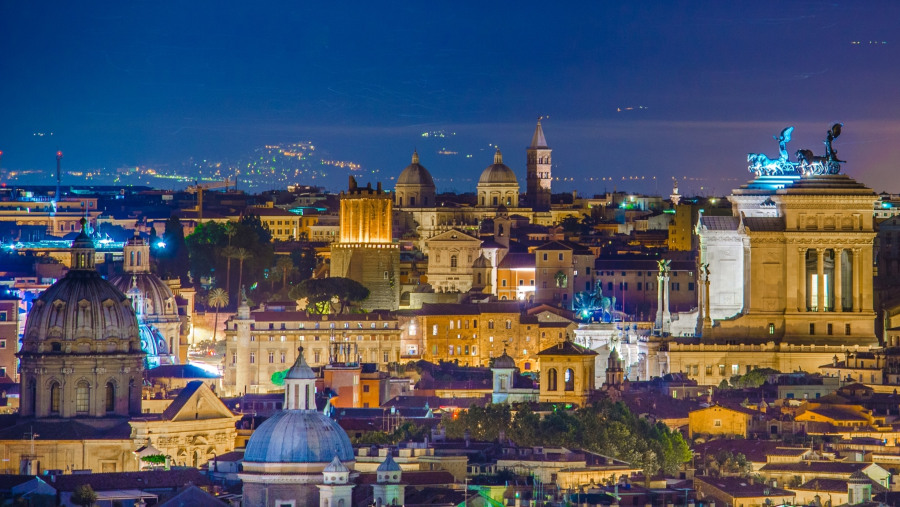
(137, 84)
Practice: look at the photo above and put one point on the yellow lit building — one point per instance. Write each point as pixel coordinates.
(567, 374)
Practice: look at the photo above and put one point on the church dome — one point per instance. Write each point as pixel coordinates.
(81, 309)
(504, 361)
(298, 436)
(158, 299)
(498, 173)
(415, 174)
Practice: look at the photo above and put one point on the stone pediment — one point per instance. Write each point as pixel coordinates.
(453, 235)
(196, 402)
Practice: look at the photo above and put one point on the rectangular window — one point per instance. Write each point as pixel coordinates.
(717, 423)
(560, 256)
(545, 256)
(365, 388)
(2, 344)
(2, 316)
(690, 286)
(233, 358)
(847, 329)
(812, 328)
(385, 357)
(640, 286)
(830, 329)
(252, 357)
(609, 286)
(735, 369)
(709, 369)
(271, 357)
(771, 328)
(252, 337)
(283, 357)
(721, 370)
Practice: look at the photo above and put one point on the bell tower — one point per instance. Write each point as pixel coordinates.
(539, 175)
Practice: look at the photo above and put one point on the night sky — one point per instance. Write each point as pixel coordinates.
(127, 83)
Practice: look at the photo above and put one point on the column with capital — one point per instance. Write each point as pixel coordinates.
(704, 273)
(802, 304)
(857, 304)
(820, 279)
(838, 280)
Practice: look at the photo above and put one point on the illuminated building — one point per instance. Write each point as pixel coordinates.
(790, 279)
(366, 251)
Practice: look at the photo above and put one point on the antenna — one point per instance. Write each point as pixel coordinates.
(58, 173)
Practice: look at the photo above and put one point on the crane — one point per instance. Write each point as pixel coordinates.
(198, 188)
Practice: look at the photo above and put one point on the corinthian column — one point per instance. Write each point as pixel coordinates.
(820, 279)
(838, 280)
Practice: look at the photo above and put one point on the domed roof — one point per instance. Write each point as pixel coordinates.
(504, 361)
(336, 466)
(300, 369)
(298, 436)
(82, 305)
(159, 301)
(388, 465)
(415, 174)
(481, 262)
(498, 172)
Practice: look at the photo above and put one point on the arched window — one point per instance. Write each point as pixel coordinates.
(110, 397)
(82, 397)
(508, 324)
(453, 261)
(54, 398)
(569, 379)
(551, 379)
(479, 278)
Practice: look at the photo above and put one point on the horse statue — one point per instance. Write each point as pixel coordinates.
(761, 165)
(810, 164)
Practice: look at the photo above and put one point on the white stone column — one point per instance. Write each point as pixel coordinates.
(838, 280)
(802, 305)
(659, 301)
(857, 307)
(820, 279)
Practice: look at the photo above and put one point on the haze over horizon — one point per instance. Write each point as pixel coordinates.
(144, 84)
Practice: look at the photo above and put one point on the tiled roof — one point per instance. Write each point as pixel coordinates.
(766, 224)
(566, 348)
(517, 261)
(714, 223)
(180, 371)
(157, 479)
(834, 467)
(50, 429)
(739, 487)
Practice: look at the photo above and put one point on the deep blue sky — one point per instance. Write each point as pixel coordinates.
(125, 83)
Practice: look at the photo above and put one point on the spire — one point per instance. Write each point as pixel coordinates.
(498, 157)
(301, 369)
(538, 140)
(415, 157)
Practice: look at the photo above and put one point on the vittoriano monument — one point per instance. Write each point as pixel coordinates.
(807, 163)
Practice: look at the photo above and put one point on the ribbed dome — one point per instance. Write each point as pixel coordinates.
(81, 306)
(498, 172)
(298, 436)
(504, 361)
(159, 301)
(415, 174)
(481, 262)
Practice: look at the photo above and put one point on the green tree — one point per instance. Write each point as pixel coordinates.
(174, 259)
(217, 298)
(84, 495)
(241, 254)
(322, 293)
(285, 267)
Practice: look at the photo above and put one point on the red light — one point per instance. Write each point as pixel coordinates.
(59, 154)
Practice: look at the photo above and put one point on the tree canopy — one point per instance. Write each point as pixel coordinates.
(323, 293)
(605, 427)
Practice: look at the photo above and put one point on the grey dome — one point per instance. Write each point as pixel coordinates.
(156, 295)
(481, 262)
(298, 436)
(81, 306)
(415, 174)
(300, 369)
(498, 172)
(504, 361)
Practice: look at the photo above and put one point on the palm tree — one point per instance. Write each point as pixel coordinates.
(228, 253)
(217, 298)
(241, 254)
(285, 267)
